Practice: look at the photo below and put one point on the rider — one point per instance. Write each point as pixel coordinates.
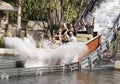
(89, 26)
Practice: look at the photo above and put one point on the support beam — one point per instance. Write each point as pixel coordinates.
(117, 65)
(19, 19)
(7, 17)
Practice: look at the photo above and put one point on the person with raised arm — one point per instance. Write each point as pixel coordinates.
(69, 28)
(89, 26)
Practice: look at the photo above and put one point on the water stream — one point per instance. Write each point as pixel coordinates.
(105, 15)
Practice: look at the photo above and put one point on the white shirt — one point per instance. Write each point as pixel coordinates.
(73, 39)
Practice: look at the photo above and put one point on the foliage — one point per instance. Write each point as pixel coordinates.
(2, 44)
(73, 9)
(55, 27)
(54, 12)
(39, 9)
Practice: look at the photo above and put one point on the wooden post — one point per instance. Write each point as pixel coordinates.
(117, 41)
(7, 17)
(99, 53)
(71, 68)
(90, 63)
(6, 30)
(63, 68)
(37, 72)
(49, 69)
(26, 31)
(114, 49)
(18, 73)
(107, 45)
(6, 21)
(19, 18)
(79, 66)
(113, 52)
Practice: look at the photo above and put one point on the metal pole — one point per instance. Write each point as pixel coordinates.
(7, 17)
(6, 23)
(19, 18)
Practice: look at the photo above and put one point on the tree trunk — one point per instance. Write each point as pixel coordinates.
(26, 31)
(82, 1)
(56, 14)
(62, 13)
(6, 30)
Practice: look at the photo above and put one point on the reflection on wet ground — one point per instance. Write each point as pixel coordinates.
(76, 77)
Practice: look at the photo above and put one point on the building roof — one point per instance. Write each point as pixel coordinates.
(7, 7)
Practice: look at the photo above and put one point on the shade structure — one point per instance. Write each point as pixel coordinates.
(7, 7)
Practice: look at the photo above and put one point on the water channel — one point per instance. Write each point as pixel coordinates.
(101, 76)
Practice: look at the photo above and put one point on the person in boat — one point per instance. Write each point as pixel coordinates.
(72, 37)
(65, 38)
(69, 28)
(88, 25)
(58, 35)
(72, 29)
(53, 40)
(66, 27)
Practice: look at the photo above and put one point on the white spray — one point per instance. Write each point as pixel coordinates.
(105, 16)
(34, 57)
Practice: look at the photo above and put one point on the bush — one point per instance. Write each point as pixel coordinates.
(2, 43)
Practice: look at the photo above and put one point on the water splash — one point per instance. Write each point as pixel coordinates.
(35, 57)
(105, 16)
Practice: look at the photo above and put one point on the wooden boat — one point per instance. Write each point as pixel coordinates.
(92, 44)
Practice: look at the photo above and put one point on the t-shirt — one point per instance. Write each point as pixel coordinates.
(89, 29)
(73, 39)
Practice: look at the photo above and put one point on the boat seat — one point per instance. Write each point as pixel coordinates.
(84, 37)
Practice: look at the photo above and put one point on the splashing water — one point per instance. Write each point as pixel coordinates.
(34, 57)
(105, 16)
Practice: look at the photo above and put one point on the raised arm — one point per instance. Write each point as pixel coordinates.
(93, 21)
(65, 27)
(83, 21)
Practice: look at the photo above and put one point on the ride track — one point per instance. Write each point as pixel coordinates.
(95, 46)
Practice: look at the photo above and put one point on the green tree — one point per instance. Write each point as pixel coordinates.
(54, 12)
